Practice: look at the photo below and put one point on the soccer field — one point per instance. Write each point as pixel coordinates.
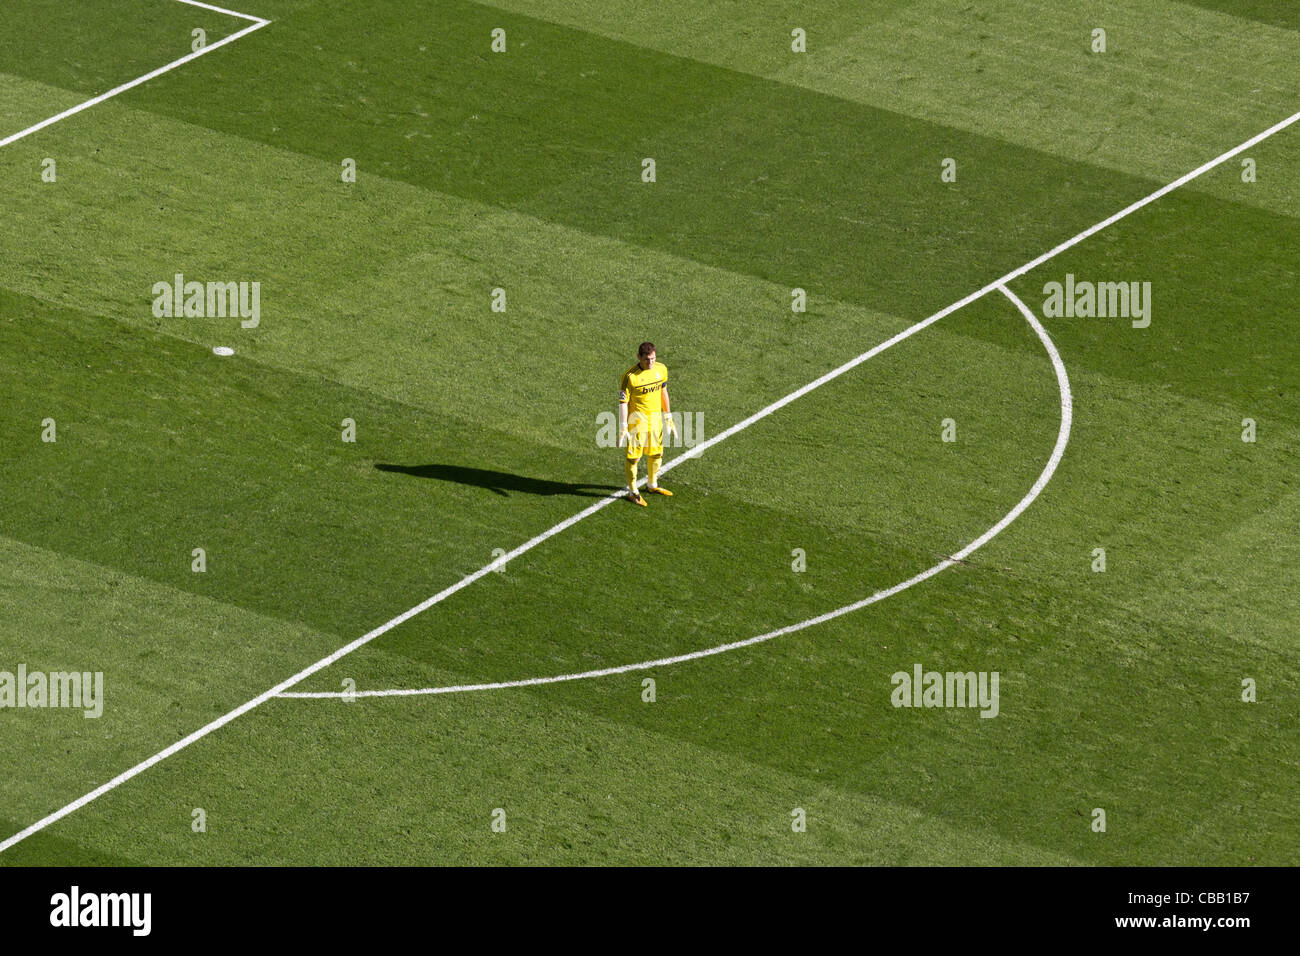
(396, 502)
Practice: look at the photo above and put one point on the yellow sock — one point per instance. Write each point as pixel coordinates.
(629, 468)
(652, 468)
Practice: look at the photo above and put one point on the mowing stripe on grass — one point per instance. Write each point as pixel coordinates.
(258, 23)
(999, 284)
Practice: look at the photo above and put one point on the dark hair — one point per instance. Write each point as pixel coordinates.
(644, 349)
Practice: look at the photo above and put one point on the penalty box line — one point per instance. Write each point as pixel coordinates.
(257, 24)
(324, 662)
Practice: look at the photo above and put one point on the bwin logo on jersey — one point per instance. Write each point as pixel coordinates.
(210, 300)
(133, 910)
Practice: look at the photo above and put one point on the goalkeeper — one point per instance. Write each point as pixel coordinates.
(643, 414)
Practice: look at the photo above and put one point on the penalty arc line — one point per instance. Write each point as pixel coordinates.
(257, 24)
(1062, 439)
(694, 452)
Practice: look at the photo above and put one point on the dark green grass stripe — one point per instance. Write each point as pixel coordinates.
(93, 47)
(1223, 279)
(1277, 13)
(51, 849)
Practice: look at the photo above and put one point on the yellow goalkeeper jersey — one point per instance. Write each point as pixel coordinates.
(640, 389)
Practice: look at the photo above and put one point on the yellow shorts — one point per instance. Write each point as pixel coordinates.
(647, 435)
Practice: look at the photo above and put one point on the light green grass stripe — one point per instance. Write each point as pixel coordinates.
(1240, 585)
(23, 103)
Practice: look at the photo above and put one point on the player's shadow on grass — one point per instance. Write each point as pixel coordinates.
(500, 482)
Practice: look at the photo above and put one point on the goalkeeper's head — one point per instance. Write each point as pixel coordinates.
(645, 355)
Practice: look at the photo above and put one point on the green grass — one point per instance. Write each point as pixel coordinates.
(1119, 690)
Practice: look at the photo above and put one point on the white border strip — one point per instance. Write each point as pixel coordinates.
(258, 23)
(1062, 439)
(324, 662)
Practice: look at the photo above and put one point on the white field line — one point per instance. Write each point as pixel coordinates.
(257, 24)
(1062, 438)
(366, 638)
(229, 13)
